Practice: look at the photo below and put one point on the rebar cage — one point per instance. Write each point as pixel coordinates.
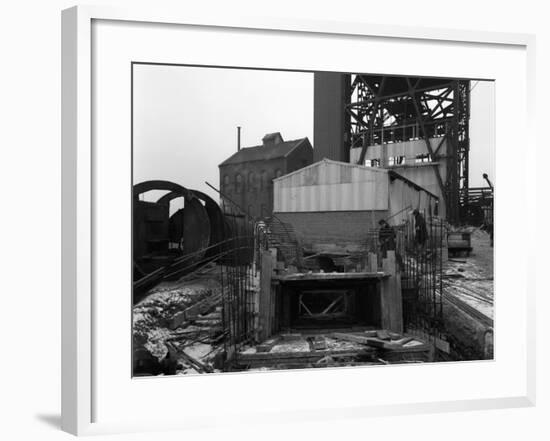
(421, 264)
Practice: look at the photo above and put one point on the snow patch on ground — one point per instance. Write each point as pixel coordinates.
(293, 346)
(152, 316)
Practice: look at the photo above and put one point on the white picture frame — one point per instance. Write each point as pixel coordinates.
(81, 227)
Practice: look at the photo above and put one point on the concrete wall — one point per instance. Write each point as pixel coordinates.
(343, 231)
(329, 116)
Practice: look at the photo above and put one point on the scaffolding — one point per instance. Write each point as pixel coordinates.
(383, 109)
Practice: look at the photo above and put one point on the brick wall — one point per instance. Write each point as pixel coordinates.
(343, 231)
(254, 192)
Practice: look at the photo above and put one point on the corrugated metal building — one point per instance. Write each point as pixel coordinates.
(411, 160)
(334, 204)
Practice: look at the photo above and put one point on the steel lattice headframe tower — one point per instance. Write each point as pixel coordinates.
(380, 110)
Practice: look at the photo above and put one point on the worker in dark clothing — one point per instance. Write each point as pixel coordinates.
(420, 230)
(386, 237)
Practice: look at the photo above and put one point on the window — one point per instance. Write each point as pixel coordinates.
(396, 160)
(225, 184)
(239, 184)
(264, 184)
(251, 181)
(423, 158)
(372, 162)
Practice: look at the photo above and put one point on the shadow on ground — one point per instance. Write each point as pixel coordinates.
(52, 420)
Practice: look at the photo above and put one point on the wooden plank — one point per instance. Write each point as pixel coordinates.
(267, 356)
(391, 300)
(193, 311)
(267, 345)
(332, 276)
(272, 318)
(443, 345)
(301, 304)
(329, 307)
(273, 252)
(373, 263)
(290, 337)
(423, 347)
(397, 346)
(196, 364)
(265, 293)
(370, 341)
(404, 340)
(318, 343)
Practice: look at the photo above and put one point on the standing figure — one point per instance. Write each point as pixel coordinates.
(386, 237)
(420, 230)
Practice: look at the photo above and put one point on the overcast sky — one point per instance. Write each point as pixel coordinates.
(185, 119)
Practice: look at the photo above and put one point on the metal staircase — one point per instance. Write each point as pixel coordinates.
(282, 236)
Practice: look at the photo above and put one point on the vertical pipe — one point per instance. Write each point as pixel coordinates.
(238, 138)
(441, 271)
(381, 109)
(223, 306)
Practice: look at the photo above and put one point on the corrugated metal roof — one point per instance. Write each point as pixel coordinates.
(264, 152)
(325, 162)
(330, 185)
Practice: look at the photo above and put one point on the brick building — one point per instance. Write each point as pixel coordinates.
(246, 177)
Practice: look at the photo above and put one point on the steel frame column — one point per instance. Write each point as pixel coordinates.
(391, 107)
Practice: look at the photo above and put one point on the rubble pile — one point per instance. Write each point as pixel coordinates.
(190, 345)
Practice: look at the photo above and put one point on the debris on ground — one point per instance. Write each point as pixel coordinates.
(177, 327)
(344, 347)
(471, 280)
(468, 307)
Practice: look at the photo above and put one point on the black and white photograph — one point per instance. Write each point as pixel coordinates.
(242, 220)
(307, 220)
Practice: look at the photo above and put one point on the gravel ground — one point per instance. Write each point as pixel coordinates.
(471, 278)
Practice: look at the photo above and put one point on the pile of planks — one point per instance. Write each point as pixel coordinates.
(317, 350)
(393, 347)
(193, 312)
(301, 359)
(179, 353)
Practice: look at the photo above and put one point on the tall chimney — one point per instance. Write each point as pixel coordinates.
(238, 138)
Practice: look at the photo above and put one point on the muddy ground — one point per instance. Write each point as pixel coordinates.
(467, 312)
(468, 300)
